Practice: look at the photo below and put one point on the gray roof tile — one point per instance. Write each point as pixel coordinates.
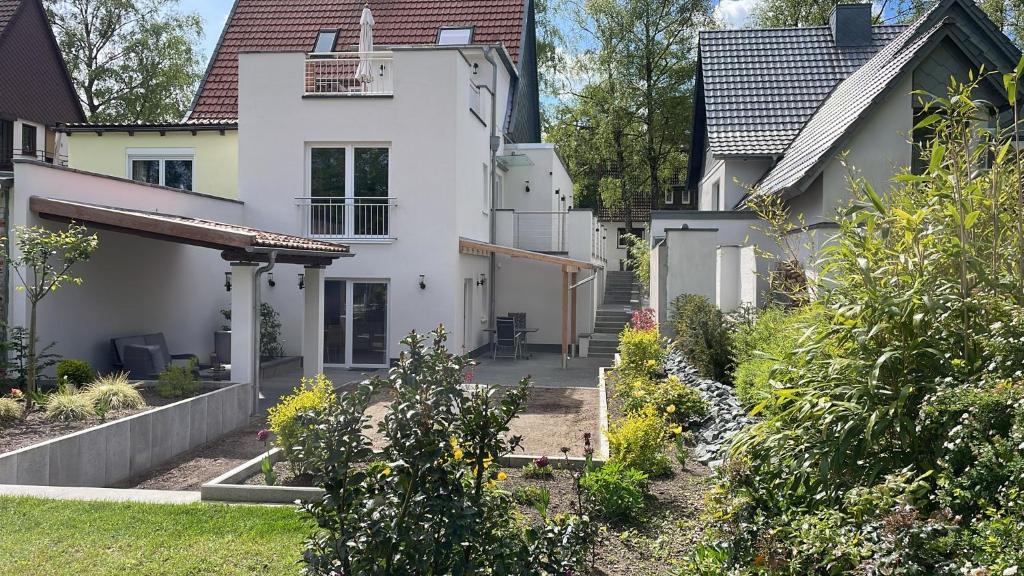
(762, 85)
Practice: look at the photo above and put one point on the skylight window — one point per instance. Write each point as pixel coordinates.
(325, 41)
(454, 36)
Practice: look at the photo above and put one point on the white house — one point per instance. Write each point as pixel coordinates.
(420, 159)
(775, 108)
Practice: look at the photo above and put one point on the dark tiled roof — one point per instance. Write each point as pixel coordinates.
(762, 85)
(272, 25)
(7, 10)
(847, 103)
(641, 212)
(210, 124)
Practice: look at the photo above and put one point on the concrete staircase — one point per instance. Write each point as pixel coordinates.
(621, 296)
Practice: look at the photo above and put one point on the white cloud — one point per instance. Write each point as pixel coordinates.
(734, 13)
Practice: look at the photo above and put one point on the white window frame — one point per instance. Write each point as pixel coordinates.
(161, 155)
(350, 165)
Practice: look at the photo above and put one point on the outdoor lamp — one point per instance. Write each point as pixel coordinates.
(302, 281)
(423, 284)
(227, 281)
(527, 185)
(482, 280)
(270, 279)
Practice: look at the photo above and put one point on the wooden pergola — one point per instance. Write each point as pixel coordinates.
(570, 271)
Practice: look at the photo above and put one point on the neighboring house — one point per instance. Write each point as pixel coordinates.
(199, 156)
(35, 95)
(614, 219)
(425, 166)
(775, 108)
(35, 90)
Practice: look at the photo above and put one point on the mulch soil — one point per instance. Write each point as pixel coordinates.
(36, 428)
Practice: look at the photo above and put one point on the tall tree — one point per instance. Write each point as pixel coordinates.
(130, 60)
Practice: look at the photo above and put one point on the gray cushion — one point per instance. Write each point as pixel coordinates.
(144, 361)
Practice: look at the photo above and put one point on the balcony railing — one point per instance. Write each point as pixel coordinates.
(349, 74)
(48, 156)
(540, 231)
(360, 218)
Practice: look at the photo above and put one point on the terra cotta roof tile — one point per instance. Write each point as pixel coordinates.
(273, 25)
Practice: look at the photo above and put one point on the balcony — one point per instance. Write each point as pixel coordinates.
(349, 74)
(539, 231)
(352, 219)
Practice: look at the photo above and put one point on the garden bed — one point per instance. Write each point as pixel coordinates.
(36, 428)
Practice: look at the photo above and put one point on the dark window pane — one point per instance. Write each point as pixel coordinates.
(327, 172)
(369, 323)
(178, 174)
(146, 171)
(28, 139)
(371, 183)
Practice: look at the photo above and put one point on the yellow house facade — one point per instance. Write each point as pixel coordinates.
(198, 158)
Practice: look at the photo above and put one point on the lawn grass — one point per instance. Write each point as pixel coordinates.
(55, 537)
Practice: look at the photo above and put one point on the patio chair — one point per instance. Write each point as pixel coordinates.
(520, 320)
(506, 337)
(158, 343)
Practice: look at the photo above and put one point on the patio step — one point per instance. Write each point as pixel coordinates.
(621, 295)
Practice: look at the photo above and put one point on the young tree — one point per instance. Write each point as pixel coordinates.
(43, 265)
(130, 60)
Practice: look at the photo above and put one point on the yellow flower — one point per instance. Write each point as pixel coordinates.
(677, 430)
(454, 442)
(492, 484)
(502, 476)
(638, 393)
(652, 363)
(457, 453)
(671, 409)
(386, 471)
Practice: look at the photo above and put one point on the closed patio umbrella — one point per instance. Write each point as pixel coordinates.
(364, 73)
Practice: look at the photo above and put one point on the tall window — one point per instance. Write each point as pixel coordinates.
(165, 167)
(28, 140)
(349, 189)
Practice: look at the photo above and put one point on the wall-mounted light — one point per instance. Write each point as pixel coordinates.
(227, 281)
(302, 281)
(527, 185)
(423, 281)
(482, 280)
(476, 66)
(270, 279)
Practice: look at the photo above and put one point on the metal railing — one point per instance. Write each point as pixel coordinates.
(349, 73)
(367, 217)
(48, 156)
(540, 231)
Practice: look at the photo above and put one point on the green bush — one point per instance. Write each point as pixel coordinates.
(10, 410)
(767, 349)
(178, 381)
(436, 508)
(77, 373)
(293, 413)
(115, 392)
(639, 441)
(69, 406)
(679, 402)
(536, 497)
(703, 336)
(640, 353)
(617, 491)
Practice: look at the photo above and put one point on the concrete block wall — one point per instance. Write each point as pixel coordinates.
(113, 453)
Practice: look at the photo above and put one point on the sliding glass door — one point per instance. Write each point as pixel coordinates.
(356, 323)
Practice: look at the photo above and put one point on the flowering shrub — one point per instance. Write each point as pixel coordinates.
(430, 505)
(639, 441)
(641, 353)
(539, 468)
(682, 404)
(297, 410)
(644, 319)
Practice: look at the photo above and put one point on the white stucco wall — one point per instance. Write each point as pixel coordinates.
(132, 285)
(437, 152)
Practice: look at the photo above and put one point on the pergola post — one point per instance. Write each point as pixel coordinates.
(313, 321)
(573, 334)
(243, 321)
(565, 314)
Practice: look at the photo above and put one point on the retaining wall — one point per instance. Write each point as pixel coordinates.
(113, 453)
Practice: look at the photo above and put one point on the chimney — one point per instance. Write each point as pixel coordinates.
(851, 24)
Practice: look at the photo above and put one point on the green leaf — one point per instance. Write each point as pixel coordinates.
(874, 197)
(971, 219)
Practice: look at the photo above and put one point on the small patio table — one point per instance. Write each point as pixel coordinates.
(525, 354)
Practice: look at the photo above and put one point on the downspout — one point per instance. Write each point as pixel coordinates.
(257, 321)
(495, 142)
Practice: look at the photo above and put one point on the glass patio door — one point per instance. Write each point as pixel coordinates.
(355, 323)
